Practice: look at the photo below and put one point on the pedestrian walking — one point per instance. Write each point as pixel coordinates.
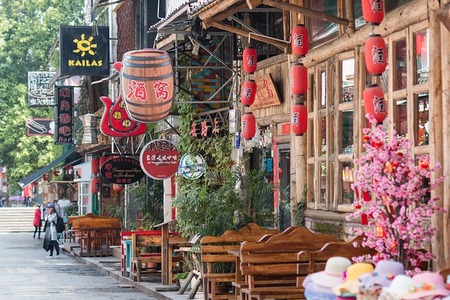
(37, 222)
(51, 236)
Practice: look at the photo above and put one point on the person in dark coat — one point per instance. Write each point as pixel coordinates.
(51, 236)
(37, 222)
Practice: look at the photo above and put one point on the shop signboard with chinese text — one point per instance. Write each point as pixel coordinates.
(84, 51)
(64, 115)
(159, 159)
(39, 91)
(121, 170)
(266, 93)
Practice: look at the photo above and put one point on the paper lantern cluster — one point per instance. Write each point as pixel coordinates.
(299, 80)
(375, 59)
(248, 92)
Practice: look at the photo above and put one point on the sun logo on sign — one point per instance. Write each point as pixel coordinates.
(84, 46)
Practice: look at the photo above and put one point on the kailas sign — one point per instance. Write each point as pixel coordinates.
(121, 170)
(159, 159)
(84, 50)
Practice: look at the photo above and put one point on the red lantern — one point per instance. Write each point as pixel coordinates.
(94, 165)
(118, 187)
(299, 79)
(375, 54)
(250, 60)
(95, 185)
(373, 11)
(300, 40)
(248, 92)
(56, 172)
(248, 125)
(299, 119)
(374, 102)
(102, 160)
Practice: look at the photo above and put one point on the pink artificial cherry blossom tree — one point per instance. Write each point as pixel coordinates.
(394, 199)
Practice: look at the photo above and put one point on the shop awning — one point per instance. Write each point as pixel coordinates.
(38, 174)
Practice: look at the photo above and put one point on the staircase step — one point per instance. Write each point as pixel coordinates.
(17, 219)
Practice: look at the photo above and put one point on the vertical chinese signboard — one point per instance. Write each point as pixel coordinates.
(39, 91)
(64, 115)
(84, 51)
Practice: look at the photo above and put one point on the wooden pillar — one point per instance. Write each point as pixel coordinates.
(445, 56)
(436, 142)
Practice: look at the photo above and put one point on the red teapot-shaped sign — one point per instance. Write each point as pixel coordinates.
(116, 122)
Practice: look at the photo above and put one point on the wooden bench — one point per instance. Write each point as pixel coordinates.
(95, 234)
(152, 261)
(270, 267)
(218, 262)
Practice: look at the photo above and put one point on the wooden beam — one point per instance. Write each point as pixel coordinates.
(443, 15)
(307, 12)
(253, 3)
(219, 8)
(223, 15)
(277, 43)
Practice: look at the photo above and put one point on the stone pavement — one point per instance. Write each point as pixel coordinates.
(110, 266)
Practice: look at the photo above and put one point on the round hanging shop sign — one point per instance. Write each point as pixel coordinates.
(159, 159)
(192, 166)
(121, 170)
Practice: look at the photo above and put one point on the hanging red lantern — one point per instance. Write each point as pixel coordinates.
(118, 187)
(374, 102)
(95, 185)
(248, 92)
(373, 11)
(299, 119)
(375, 54)
(250, 60)
(94, 165)
(299, 79)
(300, 40)
(101, 161)
(248, 125)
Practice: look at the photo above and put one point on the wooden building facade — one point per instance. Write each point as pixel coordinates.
(415, 83)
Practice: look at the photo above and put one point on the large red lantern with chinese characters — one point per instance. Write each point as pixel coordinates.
(300, 40)
(299, 119)
(374, 102)
(248, 125)
(95, 185)
(248, 92)
(299, 79)
(249, 60)
(375, 54)
(95, 165)
(373, 11)
(118, 187)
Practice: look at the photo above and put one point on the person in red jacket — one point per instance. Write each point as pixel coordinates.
(37, 222)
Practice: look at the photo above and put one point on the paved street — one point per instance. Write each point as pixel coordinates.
(25, 273)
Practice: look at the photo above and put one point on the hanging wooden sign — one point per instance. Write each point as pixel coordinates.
(266, 93)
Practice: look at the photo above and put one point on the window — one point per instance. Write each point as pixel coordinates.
(421, 56)
(322, 30)
(334, 108)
